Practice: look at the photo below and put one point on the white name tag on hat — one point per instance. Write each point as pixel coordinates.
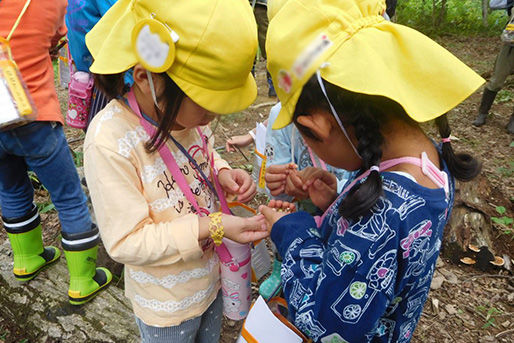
(310, 55)
(154, 45)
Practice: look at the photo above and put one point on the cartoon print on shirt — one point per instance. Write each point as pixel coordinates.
(375, 228)
(347, 307)
(297, 294)
(393, 305)
(415, 301)
(419, 259)
(288, 261)
(269, 152)
(412, 201)
(406, 330)
(310, 269)
(418, 237)
(333, 338)
(341, 256)
(306, 323)
(427, 277)
(385, 327)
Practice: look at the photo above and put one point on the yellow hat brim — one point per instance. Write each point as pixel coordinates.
(403, 65)
(219, 101)
(110, 45)
(285, 116)
(399, 63)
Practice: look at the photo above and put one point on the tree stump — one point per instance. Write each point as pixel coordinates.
(470, 223)
(41, 309)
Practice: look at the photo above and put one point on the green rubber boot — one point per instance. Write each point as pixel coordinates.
(86, 280)
(30, 256)
(271, 287)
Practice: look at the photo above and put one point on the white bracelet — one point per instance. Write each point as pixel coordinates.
(252, 134)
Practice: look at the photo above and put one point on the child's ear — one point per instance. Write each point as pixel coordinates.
(141, 78)
(319, 123)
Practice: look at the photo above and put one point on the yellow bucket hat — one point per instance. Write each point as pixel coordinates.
(208, 52)
(355, 48)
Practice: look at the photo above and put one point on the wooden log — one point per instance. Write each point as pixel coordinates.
(40, 308)
(475, 203)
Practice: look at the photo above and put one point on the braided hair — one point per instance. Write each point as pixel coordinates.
(367, 114)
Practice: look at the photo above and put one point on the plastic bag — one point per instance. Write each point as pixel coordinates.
(16, 105)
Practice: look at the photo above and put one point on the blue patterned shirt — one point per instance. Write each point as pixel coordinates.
(364, 280)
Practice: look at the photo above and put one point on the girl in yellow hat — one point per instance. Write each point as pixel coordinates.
(149, 161)
(356, 88)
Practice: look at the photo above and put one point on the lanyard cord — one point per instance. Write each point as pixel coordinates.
(184, 151)
(16, 23)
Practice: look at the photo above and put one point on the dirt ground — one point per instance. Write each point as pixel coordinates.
(464, 305)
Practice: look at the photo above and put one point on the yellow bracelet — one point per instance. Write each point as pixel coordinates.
(216, 227)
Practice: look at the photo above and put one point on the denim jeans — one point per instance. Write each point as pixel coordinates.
(42, 148)
(202, 329)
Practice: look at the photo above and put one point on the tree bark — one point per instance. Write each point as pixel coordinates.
(485, 11)
(470, 222)
(41, 309)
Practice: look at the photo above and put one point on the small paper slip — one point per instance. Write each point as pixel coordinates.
(8, 111)
(260, 138)
(264, 327)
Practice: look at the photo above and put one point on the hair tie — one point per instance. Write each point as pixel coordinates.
(446, 140)
(374, 168)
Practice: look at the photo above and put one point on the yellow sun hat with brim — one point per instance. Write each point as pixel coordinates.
(273, 7)
(206, 47)
(355, 48)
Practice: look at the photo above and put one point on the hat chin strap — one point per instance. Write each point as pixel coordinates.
(334, 113)
(152, 87)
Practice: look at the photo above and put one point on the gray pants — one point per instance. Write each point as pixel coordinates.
(503, 67)
(202, 329)
(261, 17)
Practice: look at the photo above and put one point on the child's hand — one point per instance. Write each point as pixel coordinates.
(276, 176)
(294, 185)
(321, 186)
(275, 210)
(239, 182)
(245, 230)
(238, 141)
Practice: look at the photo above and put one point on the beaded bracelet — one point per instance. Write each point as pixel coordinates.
(216, 227)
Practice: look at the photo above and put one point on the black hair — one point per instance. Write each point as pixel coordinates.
(113, 85)
(367, 114)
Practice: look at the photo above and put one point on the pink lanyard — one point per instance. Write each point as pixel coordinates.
(440, 178)
(169, 160)
(171, 163)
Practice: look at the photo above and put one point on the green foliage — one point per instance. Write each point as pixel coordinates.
(504, 96)
(507, 171)
(78, 158)
(449, 16)
(503, 221)
(489, 314)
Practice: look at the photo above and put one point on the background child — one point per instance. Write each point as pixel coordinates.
(81, 16)
(42, 147)
(503, 67)
(356, 87)
(147, 221)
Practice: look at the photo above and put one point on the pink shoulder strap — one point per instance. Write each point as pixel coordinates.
(440, 178)
(166, 155)
(169, 160)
